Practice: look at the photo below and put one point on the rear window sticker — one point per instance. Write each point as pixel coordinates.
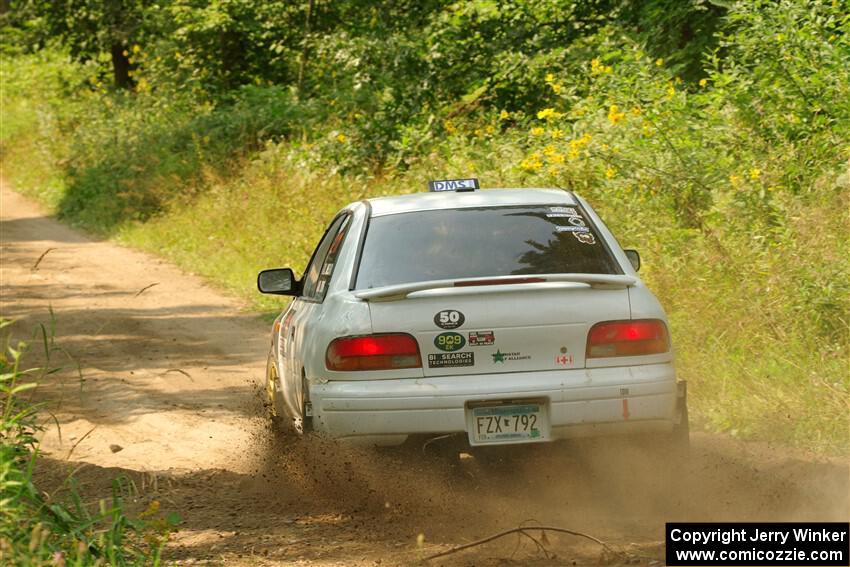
(451, 359)
(571, 229)
(585, 237)
(568, 211)
(329, 267)
(576, 221)
(321, 286)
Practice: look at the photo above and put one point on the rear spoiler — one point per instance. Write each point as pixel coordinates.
(401, 291)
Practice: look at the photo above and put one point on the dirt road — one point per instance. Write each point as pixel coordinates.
(170, 396)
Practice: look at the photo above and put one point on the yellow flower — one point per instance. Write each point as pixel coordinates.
(136, 48)
(734, 180)
(537, 131)
(608, 69)
(703, 82)
(595, 66)
(659, 62)
(604, 147)
(450, 128)
(531, 163)
(610, 173)
(504, 115)
(557, 134)
(755, 173)
(549, 150)
(556, 158)
(553, 170)
(125, 53)
(636, 111)
(577, 145)
(489, 129)
(556, 88)
(671, 90)
(548, 113)
(614, 114)
(341, 138)
(550, 77)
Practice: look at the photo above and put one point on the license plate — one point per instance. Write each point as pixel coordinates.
(508, 423)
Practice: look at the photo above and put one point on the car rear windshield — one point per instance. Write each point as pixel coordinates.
(481, 242)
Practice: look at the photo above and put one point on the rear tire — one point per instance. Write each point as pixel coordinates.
(280, 423)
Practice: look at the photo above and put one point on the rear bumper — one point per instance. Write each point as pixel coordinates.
(582, 402)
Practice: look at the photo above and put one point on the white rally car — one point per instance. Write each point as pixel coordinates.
(503, 316)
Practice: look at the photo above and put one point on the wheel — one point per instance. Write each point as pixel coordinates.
(303, 424)
(274, 400)
(672, 449)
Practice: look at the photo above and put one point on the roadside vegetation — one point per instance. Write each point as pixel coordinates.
(713, 136)
(59, 528)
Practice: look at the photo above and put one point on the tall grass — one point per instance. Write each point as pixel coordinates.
(37, 528)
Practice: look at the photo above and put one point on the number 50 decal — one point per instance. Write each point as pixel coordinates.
(449, 319)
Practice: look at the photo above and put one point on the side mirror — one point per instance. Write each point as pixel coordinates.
(634, 258)
(279, 281)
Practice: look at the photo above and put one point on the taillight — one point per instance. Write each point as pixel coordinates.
(373, 352)
(627, 338)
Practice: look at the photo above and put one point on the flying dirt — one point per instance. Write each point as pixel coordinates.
(162, 379)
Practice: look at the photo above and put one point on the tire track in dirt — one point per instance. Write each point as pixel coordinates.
(172, 374)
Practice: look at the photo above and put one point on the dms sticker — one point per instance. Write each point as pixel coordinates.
(481, 338)
(450, 359)
(449, 341)
(449, 319)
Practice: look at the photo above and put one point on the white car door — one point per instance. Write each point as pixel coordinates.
(307, 309)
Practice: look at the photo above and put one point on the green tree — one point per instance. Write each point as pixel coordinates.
(90, 28)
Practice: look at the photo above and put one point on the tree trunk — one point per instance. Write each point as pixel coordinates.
(307, 23)
(121, 67)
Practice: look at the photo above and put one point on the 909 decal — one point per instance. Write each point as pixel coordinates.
(449, 342)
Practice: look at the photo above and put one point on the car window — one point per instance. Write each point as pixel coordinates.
(481, 242)
(321, 268)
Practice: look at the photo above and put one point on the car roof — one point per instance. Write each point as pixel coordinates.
(466, 199)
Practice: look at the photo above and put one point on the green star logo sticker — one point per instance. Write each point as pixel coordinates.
(498, 356)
